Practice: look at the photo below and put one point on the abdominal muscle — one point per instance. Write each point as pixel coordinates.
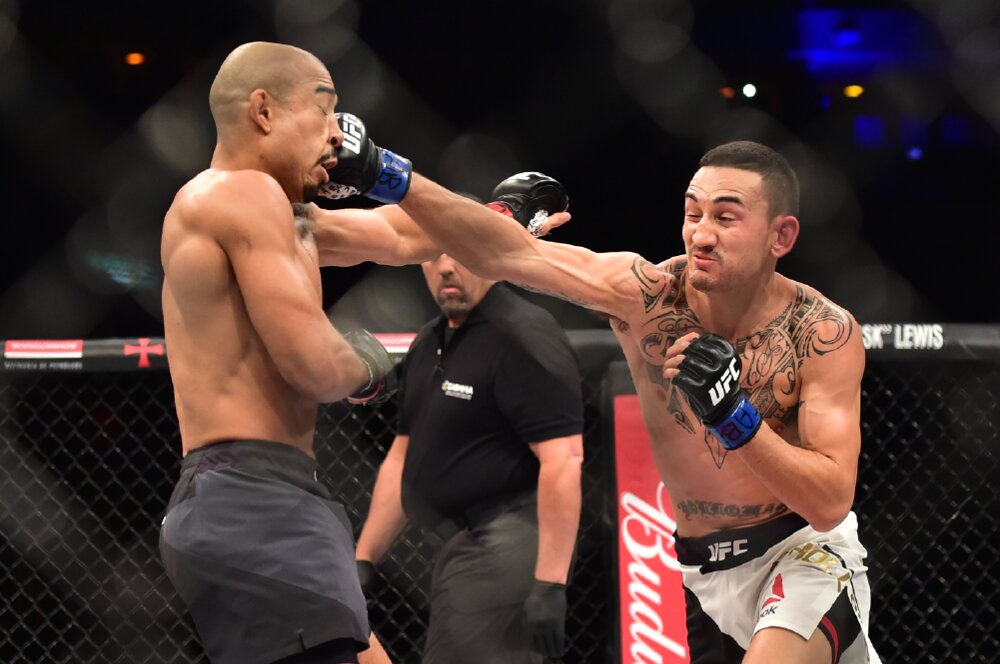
(227, 388)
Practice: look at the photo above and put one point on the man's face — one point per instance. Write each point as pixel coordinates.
(727, 228)
(307, 132)
(456, 290)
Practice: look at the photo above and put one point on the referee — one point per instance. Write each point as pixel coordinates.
(487, 454)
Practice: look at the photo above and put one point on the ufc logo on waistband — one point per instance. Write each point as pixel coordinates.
(720, 388)
(720, 550)
(352, 133)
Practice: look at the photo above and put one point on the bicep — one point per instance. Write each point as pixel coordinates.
(272, 272)
(385, 235)
(397, 451)
(558, 450)
(830, 414)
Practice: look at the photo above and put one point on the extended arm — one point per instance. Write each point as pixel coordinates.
(385, 235)
(496, 247)
(487, 242)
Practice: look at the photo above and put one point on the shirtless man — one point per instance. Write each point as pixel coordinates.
(750, 388)
(253, 543)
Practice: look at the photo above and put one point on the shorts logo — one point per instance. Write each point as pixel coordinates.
(457, 390)
(777, 594)
(719, 550)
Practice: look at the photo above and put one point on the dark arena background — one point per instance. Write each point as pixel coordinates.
(890, 112)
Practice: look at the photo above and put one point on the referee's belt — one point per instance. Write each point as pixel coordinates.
(482, 512)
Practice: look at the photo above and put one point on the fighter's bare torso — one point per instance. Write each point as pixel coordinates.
(226, 384)
(710, 488)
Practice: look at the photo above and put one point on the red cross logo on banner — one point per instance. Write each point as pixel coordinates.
(143, 350)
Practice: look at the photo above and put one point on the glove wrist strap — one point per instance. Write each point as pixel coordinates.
(393, 178)
(739, 426)
(369, 389)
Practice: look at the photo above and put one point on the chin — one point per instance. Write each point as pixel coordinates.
(309, 193)
(702, 282)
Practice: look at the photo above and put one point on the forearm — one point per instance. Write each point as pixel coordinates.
(808, 482)
(559, 500)
(385, 516)
(473, 234)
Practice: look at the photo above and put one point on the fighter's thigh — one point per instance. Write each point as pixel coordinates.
(775, 644)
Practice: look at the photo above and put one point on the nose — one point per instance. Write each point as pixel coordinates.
(336, 135)
(703, 235)
(445, 265)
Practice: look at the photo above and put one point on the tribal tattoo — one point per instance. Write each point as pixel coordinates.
(772, 357)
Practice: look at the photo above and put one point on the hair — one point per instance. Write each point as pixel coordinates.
(780, 183)
(254, 65)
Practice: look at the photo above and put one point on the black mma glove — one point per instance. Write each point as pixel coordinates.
(383, 380)
(530, 198)
(366, 575)
(364, 168)
(710, 377)
(545, 615)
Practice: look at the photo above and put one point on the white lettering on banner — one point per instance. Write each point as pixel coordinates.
(647, 532)
(908, 336)
(871, 335)
(905, 336)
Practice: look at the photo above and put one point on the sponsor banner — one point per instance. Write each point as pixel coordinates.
(650, 595)
(84, 355)
(903, 336)
(973, 341)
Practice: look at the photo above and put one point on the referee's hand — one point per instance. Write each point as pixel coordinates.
(366, 575)
(545, 615)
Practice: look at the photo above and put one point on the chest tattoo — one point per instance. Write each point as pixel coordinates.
(772, 357)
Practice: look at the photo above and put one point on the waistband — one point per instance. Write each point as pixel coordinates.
(735, 546)
(262, 458)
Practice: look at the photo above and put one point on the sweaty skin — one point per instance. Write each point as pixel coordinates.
(802, 355)
(252, 352)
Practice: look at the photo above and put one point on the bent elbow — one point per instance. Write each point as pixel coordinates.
(828, 519)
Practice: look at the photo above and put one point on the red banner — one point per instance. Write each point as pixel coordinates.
(650, 595)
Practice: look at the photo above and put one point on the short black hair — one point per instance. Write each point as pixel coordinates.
(781, 184)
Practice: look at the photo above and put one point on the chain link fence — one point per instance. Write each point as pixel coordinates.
(88, 461)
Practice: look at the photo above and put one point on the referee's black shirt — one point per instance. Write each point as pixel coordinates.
(507, 377)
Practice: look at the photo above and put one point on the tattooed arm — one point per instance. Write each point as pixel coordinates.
(817, 478)
(496, 247)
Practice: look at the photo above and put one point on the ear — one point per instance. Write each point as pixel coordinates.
(260, 110)
(784, 234)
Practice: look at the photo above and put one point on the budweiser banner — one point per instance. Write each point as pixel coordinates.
(650, 595)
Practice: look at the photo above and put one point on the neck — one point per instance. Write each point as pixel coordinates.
(226, 159)
(738, 312)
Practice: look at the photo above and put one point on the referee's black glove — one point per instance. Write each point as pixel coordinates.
(545, 614)
(366, 575)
